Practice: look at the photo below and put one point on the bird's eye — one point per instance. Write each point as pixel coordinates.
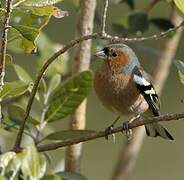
(114, 54)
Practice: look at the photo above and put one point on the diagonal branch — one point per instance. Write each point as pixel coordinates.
(95, 135)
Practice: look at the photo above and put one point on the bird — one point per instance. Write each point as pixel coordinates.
(124, 88)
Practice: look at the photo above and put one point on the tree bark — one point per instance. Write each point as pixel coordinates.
(84, 27)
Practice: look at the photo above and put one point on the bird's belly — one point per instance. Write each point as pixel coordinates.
(118, 96)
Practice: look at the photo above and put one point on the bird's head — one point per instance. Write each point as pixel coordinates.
(119, 57)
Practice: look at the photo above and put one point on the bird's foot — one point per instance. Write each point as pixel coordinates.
(108, 131)
(127, 130)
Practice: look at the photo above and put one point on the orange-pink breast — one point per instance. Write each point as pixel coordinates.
(118, 92)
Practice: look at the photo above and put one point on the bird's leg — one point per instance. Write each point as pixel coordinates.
(127, 130)
(110, 128)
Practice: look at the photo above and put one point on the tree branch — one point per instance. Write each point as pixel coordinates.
(104, 17)
(4, 44)
(85, 21)
(116, 39)
(72, 43)
(95, 135)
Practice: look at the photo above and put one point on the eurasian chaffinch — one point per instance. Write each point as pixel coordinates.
(124, 87)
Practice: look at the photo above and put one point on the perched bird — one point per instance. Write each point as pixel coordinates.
(124, 87)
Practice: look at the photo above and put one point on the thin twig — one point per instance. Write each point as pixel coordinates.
(4, 41)
(95, 135)
(116, 39)
(4, 44)
(66, 48)
(104, 17)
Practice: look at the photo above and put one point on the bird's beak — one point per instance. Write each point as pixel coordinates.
(101, 54)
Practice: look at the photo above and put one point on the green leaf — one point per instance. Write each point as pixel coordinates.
(49, 11)
(33, 164)
(162, 23)
(27, 18)
(12, 89)
(138, 21)
(19, 43)
(40, 3)
(180, 66)
(180, 6)
(25, 29)
(13, 168)
(54, 82)
(69, 96)
(69, 134)
(28, 33)
(4, 161)
(16, 114)
(22, 74)
(71, 175)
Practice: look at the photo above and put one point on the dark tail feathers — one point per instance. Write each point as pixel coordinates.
(156, 129)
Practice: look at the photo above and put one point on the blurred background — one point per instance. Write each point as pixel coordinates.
(158, 159)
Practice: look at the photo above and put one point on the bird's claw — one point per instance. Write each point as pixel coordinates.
(108, 131)
(127, 130)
